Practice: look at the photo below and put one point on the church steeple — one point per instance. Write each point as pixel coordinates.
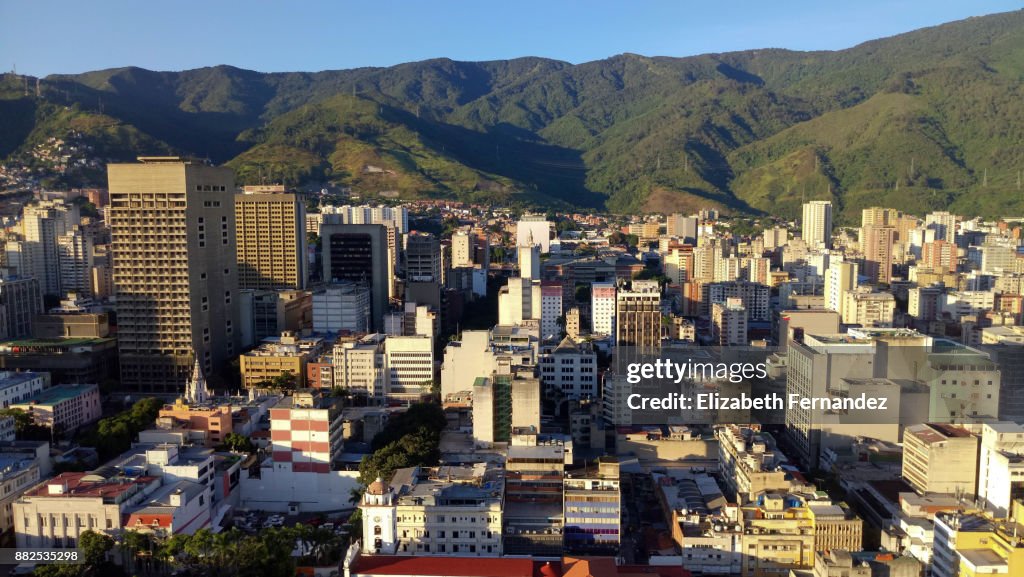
(195, 388)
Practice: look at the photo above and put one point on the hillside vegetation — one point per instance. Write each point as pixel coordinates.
(932, 118)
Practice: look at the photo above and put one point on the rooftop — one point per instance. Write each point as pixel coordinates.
(58, 394)
(77, 485)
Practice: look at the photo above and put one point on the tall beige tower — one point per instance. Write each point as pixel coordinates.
(172, 224)
(271, 239)
(816, 226)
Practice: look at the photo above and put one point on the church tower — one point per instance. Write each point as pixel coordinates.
(379, 528)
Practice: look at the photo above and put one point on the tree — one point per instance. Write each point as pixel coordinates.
(284, 381)
(25, 426)
(239, 443)
(94, 548)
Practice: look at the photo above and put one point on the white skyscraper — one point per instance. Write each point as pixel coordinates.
(840, 277)
(817, 224)
(602, 308)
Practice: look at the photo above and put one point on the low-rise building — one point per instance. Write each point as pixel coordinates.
(64, 407)
(593, 508)
(448, 511)
(940, 458)
(20, 386)
(276, 356)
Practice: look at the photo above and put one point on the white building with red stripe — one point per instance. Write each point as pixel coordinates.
(301, 472)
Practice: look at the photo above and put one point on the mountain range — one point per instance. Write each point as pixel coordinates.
(931, 119)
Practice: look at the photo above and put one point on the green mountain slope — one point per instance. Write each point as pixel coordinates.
(930, 118)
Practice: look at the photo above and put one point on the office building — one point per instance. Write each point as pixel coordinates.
(270, 226)
(519, 300)
(409, 366)
(638, 315)
(21, 301)
(359, 253)
(422, 257)
(343, 307)
(529, 261)
(172, 224)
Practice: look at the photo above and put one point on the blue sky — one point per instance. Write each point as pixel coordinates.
(43, 37)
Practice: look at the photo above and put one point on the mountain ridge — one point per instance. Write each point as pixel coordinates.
(749, 131)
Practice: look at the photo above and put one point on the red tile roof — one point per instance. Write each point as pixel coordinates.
(78, 488)
(367, 565)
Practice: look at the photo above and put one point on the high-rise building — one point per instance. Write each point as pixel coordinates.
(816, 225)
(840, 277)
(754, 297)
(550, 309)
(678, 264)
(729, 323)
(172, 227)
(776, 237)
(939, 256)
(878, 244)
(359, 253)
(20, 301)
(43, 224)
(409, 363)
(270, 229)
(878, 216)
(422, 257)
(342, 307)
(529, 261)
(683, 227)
(638, 315)
(75, 261)
(944, 225)
(602, 308)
